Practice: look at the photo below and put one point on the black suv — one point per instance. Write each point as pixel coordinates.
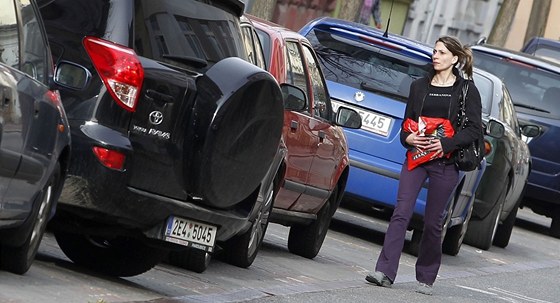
(176, 137)
(34, 135)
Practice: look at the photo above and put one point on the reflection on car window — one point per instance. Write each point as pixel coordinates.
(485, 88)
(509, 113)
(9, 47)
(527, 85)
(359, 64)
(295, 69)
(197, 30)
(321, 102)
(34, 56)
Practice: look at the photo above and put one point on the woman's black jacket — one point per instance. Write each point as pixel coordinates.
(462, 137)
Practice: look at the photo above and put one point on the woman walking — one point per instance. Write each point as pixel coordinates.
(433, 96)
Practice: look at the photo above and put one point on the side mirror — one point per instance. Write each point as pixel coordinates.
(71, 75)
(347, 117)
(495, 129)
(530, 130)
(294, 97)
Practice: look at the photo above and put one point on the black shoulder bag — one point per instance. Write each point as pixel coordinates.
(468, 158)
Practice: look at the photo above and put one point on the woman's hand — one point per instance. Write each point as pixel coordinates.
(424, 143)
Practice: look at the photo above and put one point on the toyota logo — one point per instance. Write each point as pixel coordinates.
(156, 117)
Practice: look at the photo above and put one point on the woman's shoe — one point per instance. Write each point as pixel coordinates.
(380, 279)
(425, 289)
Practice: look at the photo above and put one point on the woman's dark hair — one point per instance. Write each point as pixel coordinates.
(463, 52)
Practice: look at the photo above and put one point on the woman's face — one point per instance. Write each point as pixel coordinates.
(442, 58)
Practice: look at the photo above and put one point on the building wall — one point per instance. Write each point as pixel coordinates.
(468, 20)
(519, 27)
(553, 27)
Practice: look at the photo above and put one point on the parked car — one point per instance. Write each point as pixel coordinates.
(372, 72)
(534, 86)
(316, 164)
(34, 135)
(545, 48)
(176, 137)
(508, 163)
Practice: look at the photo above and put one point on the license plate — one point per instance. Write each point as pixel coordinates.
(190, 233)
(371, 121)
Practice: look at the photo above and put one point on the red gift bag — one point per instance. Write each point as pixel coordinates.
(430, 127)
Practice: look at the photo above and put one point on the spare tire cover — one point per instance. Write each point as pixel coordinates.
(234, 132)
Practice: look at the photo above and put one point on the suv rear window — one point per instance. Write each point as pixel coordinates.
(530, 88)
(193, 33)
(364, 66)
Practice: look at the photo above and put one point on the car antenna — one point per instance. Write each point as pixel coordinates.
(386, 33)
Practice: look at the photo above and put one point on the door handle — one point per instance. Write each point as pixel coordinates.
(294, 125)
(154, 95)
(36, 107)
(5, 96)
(322, 136)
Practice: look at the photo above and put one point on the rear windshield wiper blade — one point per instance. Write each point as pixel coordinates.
(194, 61)
(531, 107)
(375, 89)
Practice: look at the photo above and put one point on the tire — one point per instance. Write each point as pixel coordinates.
(503, 233)
(414, 245)
(455, 236)
(19, 259)
(191, 259)
(555, 224)
(118, 257)
(481, 233)
(306, 240)
(242, 249)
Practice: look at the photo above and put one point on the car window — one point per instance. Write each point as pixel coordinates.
(259, 55)
(253, 46)
(527, 85)
(198, 32)
(9, 47)
(364, 66)
(509, 113)
(295, 70)
(34, 54)
(321, 102)
(264, 41)
(485, 88)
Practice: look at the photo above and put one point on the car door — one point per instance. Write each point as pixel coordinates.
(324, 164)
(33, 118)
(11, 140)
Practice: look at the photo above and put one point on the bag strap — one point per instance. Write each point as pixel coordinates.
(463, 101)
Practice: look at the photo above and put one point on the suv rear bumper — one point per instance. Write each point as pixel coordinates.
(95, 193)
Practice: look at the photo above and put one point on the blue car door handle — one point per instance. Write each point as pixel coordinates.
(294, 125)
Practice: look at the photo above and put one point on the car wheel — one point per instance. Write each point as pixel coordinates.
(480, 233)
(455, 235)
(555, 224)
(414, 245)
(242, 250)
(191, 259)
(503, 233)
(306, 240)
(119, 257)
(18, 259)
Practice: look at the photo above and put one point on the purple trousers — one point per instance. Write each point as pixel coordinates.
(442, 180)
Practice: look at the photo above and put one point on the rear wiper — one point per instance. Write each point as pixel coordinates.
(375, 89)
(531, 107)
(194, 61)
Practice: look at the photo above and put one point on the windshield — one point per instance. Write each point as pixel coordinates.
(189, 32)
(531, 89)
(364, 66)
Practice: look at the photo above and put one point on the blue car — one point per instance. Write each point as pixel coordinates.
(372, 72)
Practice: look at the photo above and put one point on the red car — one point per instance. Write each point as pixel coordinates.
(317, 160)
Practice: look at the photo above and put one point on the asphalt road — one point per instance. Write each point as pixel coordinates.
(528, 270)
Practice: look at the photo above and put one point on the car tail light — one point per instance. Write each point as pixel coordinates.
(110, 158)
(487, 147)
(119, 68)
